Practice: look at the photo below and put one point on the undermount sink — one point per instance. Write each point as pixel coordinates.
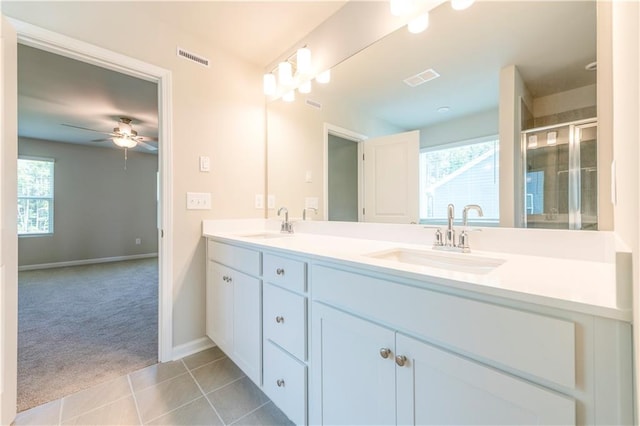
(460, 262)
(265, 235)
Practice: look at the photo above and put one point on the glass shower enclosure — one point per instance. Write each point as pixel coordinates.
(561, 176)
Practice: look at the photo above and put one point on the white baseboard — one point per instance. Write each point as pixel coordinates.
(85, 262)
(192, 347)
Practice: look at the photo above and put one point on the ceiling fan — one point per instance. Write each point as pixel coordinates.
(123, 135)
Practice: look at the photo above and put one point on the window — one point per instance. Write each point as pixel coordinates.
(461, 173)
(35, 196)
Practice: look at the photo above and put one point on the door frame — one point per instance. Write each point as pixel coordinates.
(62, 45)
(331, 129)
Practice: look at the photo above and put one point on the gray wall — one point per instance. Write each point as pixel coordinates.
(342, 179)
(99, 208)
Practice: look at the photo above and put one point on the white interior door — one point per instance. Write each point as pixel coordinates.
(391, 178)
(8, 233)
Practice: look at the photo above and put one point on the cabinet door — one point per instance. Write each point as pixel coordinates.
(219, 296)
(439, 387)
(247, 324)
(356, 384)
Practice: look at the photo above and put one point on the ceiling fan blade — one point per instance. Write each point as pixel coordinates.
(147, 146)
(101, 140)
(84, 128)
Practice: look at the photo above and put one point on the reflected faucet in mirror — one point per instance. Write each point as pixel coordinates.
(286, 227)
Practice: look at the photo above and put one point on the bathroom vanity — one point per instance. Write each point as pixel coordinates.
(346, 330)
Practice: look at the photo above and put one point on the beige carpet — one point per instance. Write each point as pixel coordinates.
(83, 325)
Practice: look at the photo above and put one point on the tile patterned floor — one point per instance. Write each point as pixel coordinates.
(203, 389)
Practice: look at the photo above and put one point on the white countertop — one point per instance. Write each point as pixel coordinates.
(586, 286)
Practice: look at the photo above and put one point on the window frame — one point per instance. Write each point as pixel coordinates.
(472, 220)
(51, 199)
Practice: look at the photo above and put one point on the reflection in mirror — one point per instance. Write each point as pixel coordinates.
(484, 75)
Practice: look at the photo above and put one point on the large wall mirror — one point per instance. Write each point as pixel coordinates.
(448, 116)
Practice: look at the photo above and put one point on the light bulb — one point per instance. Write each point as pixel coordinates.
(324, 77)
(418, 24)
(125, 142)
(400, 7)
(305, 87)
(461, 4)
(285, 77)
(289, 96)
(269, 84)
(303, 61)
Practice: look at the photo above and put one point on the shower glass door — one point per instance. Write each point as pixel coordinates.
(561, 176)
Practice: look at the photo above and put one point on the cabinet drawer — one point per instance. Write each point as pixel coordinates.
(528, 342)
(285, 320)
(243, 259)
(285, 272)
(285, 382)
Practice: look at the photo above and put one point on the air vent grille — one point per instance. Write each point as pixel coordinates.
(314, 104)
(193, 57)
(421, 77)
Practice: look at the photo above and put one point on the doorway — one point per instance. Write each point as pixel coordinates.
(52, 42)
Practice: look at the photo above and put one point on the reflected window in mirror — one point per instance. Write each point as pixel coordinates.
(461, 173)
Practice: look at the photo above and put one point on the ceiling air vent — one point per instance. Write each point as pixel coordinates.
(421, 77)
(314, 104)
(193, 57)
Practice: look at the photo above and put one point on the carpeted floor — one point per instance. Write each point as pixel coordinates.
(82, 325)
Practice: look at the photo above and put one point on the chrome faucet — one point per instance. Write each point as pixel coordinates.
(304, 212)
(448, 240)
(286, 227)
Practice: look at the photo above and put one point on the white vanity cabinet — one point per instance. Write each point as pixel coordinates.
(284, 307)
(396, 353)
(233, 305)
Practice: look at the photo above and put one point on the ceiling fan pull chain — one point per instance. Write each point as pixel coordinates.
(125, 158)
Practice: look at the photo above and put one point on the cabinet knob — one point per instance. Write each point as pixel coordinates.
(385, 352)
(401, 360)
(279, 319)
(280, 383)
(280, 271)
(225, 278)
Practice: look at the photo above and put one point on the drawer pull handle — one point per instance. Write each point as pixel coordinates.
(280, 271)
(279, 319)
(385, 352)
(401, 360)
(280, 383)
(226, 278)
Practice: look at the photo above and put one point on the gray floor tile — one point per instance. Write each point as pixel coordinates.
(267, 415)
(159, 399)
(198, 412)
(92, 398)
(155, 374)
(217, 374)
(203, 357)
(121, 412)
(237, 399)
(45, 414)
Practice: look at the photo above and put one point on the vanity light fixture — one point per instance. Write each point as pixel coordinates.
(419, 23)
(296, 72)
(461, 4)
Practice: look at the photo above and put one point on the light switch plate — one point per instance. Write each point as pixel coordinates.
(205, 163)
(198, 201)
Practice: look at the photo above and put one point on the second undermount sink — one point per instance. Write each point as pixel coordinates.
(265, 235)
(460, 262)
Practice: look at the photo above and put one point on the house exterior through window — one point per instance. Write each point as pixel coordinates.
(35, 196)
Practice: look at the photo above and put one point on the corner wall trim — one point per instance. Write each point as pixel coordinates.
(191, 348)
(85, 262)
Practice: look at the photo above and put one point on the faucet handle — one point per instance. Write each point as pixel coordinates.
(438, 242)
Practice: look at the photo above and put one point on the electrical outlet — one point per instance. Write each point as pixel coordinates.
(311, 202)
(259, 201)
(271, 202)
(198, 201)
